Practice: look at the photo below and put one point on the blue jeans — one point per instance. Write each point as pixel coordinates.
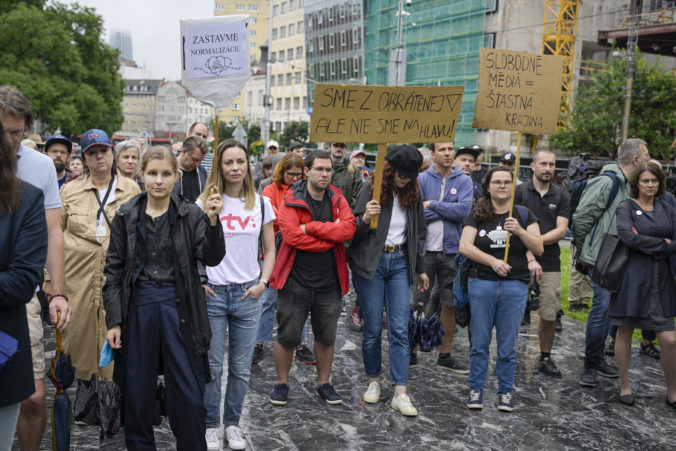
(598, 325)
(391, 277)
(228, 309)
(267, 322)
(499, 304)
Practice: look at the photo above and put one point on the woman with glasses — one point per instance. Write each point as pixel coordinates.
(287, 171)
(497, 289)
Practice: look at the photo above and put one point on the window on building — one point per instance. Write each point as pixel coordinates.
(296, 103)
(284, 7)
(292, 29)
(280, 79)
(281, 55)
(343, 68)
(342, 39)
(252, 32)
(274, 33)
(289, 54)
(322, 70)
(292, 5)
(273, 57)
(287, 103)
(332, 41)
(311, 48)
(341, 9)
(253, 45)
(320, 44)
(278, 125)
(279, 104)
(272, 81)
(240, 7)
(253, 7)
(288, 79)
(355, 37)
(299, 52)
(355, 67)
(305, 102)
(282, 32)
(330, 14)
(275, 10)
(249, 98)
(296, 77)
(260, 96)
(253, 20)
(320, 18)
(220, 6)
(236, 106)
(332, 68)
(300, 26)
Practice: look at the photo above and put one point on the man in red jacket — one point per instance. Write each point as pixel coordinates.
(311, 272)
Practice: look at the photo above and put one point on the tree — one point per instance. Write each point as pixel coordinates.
(296, 131)
(596, 120)
(55, 56)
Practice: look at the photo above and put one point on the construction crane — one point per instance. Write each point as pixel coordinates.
(559, 32)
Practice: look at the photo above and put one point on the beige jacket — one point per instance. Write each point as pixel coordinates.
(85, 258)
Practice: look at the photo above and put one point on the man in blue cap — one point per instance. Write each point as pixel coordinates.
(58, 148)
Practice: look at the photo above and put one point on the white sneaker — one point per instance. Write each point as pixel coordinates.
(213, 439)
(372, 394)
(235, 437)
(402, 404)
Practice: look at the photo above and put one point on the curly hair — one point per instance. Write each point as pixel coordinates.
(288, 161)
(655, 169)
(408, 195)
(483, 212)
(9, 183)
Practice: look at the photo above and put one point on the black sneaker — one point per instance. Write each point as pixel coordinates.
(559, 326)
(548, 367)
(328, 394)
(279, 394)
(475, 400)
(506, 402)
(257, 354)
(606, 370)
(304, 355)
(588, 378)
(413, 360)
(447, 363)
(526, 319)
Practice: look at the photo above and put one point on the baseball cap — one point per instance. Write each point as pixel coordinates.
(508, 158)
(60, 139)
(357, 152)
(94, 137)
(338, 144)
(471, 150)
(272, 143)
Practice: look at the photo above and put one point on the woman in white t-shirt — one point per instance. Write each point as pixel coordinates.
(235, 286)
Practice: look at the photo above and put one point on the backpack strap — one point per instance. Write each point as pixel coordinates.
(615, 189)
(522, 212)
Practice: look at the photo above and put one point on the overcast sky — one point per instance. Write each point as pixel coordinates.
(155, 28)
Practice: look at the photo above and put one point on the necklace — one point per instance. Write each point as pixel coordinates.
(643, 207)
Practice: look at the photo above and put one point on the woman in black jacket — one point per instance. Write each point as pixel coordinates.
(23, 250)
(155, 305)
(647, 296)
(384, 263)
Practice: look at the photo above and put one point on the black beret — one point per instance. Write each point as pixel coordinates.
(406, 159)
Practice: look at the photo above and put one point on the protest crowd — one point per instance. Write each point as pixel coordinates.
(149, 264)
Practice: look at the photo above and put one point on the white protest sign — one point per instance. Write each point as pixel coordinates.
(215, 57)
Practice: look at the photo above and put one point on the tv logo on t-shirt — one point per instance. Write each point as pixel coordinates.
(231, 220)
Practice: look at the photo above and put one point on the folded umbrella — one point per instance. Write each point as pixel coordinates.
(62, 375)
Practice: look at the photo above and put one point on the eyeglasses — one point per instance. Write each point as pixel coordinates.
(57, 152)
(501, 182)
(293, 175)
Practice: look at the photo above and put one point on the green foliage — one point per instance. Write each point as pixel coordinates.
(297, 131)
(56, 58)
(596, 119)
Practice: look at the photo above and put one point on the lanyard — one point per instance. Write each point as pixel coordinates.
(102, 205)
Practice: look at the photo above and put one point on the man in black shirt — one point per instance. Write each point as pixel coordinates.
(551, 205)
(311, 272)
(192, 177)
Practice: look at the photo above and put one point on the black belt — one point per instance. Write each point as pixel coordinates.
(389, 248)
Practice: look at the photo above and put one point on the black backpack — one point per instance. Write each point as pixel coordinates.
(578, 189)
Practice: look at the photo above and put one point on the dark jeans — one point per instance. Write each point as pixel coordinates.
(598, 325)
(154, 335)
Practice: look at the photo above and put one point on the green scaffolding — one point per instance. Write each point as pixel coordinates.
(442, 38)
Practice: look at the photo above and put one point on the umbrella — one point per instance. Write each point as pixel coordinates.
(431, 332)
(62, 375)
(414, 327)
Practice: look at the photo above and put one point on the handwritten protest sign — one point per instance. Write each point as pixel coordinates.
(215, 58)
(380, 114)
(518, 91)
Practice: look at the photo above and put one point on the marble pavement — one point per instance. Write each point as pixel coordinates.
(551, 414)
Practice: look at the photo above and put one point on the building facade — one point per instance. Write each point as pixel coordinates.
(171, 110)
(334, 41)
(138, 107)
(258, 24)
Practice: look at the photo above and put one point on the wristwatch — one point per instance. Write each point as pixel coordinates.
(265, 282)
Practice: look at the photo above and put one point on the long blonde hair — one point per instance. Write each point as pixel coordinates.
(216, 177)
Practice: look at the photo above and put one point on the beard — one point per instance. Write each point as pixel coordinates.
(59, 165)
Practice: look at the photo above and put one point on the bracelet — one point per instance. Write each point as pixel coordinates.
(543, 239)
(49, 298)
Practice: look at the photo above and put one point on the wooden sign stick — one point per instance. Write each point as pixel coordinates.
(511, 200)
(378, 181)
(215, 136)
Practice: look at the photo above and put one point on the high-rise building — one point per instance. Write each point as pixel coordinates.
(287, 54)
(121, 40)
(258, 25)
(334, 42)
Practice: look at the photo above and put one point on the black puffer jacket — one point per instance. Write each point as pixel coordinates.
(194, 240)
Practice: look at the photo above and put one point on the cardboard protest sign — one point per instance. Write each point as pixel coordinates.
(518, 91)
(215, 58)
(381, 114)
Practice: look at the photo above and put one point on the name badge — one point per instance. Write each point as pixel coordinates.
(100, 231)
